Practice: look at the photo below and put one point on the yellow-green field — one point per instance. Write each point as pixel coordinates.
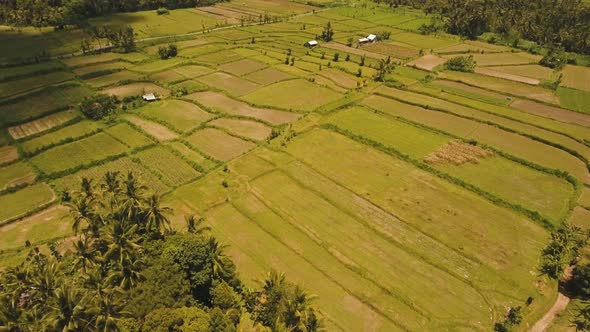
(421, 203)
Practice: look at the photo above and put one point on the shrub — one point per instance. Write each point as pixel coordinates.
(580, 283)
(168, 52)
(98, 106)
(336, 56)
(162, 11)
(555, 58)
(462, 63)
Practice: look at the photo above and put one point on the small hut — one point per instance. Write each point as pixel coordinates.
(311, 44)
(150, 97)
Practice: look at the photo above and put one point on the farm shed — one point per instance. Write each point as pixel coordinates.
(149, 97)
(311, 44)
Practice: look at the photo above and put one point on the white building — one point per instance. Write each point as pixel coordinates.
(149, 97)
(311, 44)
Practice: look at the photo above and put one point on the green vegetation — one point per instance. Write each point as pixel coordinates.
(461, 63)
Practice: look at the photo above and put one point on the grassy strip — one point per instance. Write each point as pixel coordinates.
(61, 142)
(28, 213)
(34, 73)
(534, 138)
(72, 121)
(533, 215)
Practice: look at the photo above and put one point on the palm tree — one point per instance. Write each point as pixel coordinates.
(127, 274)
(155, 215)
(45, 280)
(132, 196)
(69, 311)
(121, 241)
(299, 315)
(82, 212)
(216, 256)
(85, 254)
(107, 310)
(86, 188)
(196, 226)
(582, 319)
(10, 312)
(111, 188)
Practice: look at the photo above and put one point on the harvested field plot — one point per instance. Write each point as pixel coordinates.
(242, 67)
(42, 124)
(7, 154)
(244, 128)
(156, 130)
(552, 112)
(218, 58)
(53, 222)
(407, 139)
(303, 96)
(218, 144)
(533, 71)
(268, 76)
(94, 148)
(16, 174)
(181, 115)
(136, 89)
(576, 77)
(193, 71)
(42, 102)
(168, 76)
(62, 135)
(122, 165)
(22, 85)
(493, 59)
(169, 168)
(340, 78)
(511, 143)
(392, 49)
(581, 218)
(502, 74)
(113, 78)
(457, 153)
(427, 62)
(503, 86)
(233, 85)
(127, 135)
(472, 92)
(224, 104)
(192, 155)
(24, 200)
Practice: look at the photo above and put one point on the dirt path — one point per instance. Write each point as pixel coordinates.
(559, 306)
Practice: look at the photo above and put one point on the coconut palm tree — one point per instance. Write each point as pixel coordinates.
(127, 273)
(196, 226)
(107, 310)
(11, 313)
(68, 313)
(133, 198)
(216, 256)
(82, 212)
(111, 189)
(84, 254)
(155, 215)
(121, 240)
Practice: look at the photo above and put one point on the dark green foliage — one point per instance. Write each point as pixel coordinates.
(562, 249)
(582, 319)
(98, 106)
(385, 67)
(579, 285)
(328, 32)
(162, 11)
(168, 52)
(336, 56)
(180, 319)
(555, 58)
(461, 63)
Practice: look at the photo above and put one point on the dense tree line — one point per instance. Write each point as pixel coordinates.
(128, 271)
(564, 23)
(40, 13)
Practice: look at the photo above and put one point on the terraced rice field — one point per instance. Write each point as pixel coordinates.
(421, 203)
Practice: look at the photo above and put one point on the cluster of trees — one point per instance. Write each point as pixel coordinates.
(547, 22)
(562, 250)
(129, 271)
(579, 287)
(461, 63)
(40, 13)
(168, 52)
(98, 106)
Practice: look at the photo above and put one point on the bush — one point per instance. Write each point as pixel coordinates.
(462, 63)
(336, 56)
(580, 283)
(162, 11)
(555, 58)
(167, 52)
(98, 106)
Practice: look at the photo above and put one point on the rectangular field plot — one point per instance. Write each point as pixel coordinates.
(137, 89)
(244, 128)
(71, 132)
(407, 139)
(503, 75)
(222, 103)
(171, 169)
(42, 124)
(168, 76)
(268, 76)
(53, 222)
(573, 99)
(158, 65)
(576, 77)
(181, 115)
(494, 59)
(113, 78)
(233, 85)
(218, 144)
(101, 67)
(192, 155)
(153, 129)
(303, 95)
(8, 153)
(128, 135)
(42, 102)
(533, 71)
(28, 70)
(122, 165)
(508, 142)
(457, 219)
(552, 112)
(218, 58)
(81, 152)
(10, 88)
(24, 200)
(242, 67)
(193, 71)
(16, 174)
(103, 57)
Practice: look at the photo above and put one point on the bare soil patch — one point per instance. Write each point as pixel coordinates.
(8, 153)
(152, 128)
(218, 144)
(40, 125)
(552, 112)
(225, 104)
(427, 62)
(511, 77)
(457, 153)
(232, 84)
